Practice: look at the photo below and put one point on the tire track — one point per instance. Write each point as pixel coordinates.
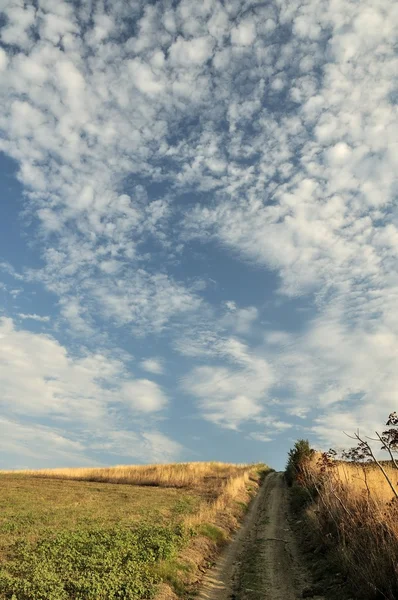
(263, 560)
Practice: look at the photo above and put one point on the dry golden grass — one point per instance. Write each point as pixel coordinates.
(181, 475)
(360, 479)
(233, 488)
(354, 509)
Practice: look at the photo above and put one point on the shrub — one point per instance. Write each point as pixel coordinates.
(300, 497)
(298, 456)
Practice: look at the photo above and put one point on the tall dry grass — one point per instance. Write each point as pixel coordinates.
(367, 480)
(361, 479)
(220, 485)
(184, 475)
(355, 515)
(233, 488)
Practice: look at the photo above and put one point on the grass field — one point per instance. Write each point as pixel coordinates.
(99, 534)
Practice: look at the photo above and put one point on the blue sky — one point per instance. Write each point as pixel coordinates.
(198, 234)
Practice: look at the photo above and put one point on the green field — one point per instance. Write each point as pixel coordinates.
(76, 539)
(63, 539)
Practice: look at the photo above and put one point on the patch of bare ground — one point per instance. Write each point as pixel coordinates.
(264, 559)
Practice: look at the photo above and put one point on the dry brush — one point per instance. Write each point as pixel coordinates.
(352, 506)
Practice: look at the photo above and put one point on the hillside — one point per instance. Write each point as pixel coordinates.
(118, 532)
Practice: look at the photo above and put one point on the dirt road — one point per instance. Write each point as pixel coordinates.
(263, 561)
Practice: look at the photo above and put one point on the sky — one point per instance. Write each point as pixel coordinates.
(199, 228)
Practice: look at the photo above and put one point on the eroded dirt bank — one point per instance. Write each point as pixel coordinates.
(263, 561)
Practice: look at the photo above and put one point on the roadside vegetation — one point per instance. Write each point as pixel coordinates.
(121, 532)
(349, 502)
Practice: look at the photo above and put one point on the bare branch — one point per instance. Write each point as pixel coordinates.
(354, 437)
(388, 448)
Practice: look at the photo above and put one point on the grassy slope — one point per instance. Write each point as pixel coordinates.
(69, 538)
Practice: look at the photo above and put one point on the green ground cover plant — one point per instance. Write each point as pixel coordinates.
(76, 539)
(96, 564)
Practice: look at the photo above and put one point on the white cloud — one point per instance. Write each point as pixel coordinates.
(278, 83)
(147, 302)
(321, 227)
(37, 442)
(143, 395)
(289, 140)
(278, 338)
(345, 372)
(339, 154)
(39, 377)
(144, 78)
(19, 19)
(40, 446)
(191, 52)
(240, 320)
(146, 447)
(3, 60)
(9, 269)
(94, 391)
(34, 317)
(244, 34)
(231, 395)
(152, 365)
(260, 437)
(161, 448)
(218, 23)
(271, 427)
(331, 428)
(76, 316)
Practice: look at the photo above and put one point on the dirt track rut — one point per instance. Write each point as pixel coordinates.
(263, 561)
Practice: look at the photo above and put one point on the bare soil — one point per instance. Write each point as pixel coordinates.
(263, 561)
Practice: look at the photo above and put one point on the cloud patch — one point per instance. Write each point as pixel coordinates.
(229, 396)
(34, 317)
(268, 131)
(39, 377)
(152, 365)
